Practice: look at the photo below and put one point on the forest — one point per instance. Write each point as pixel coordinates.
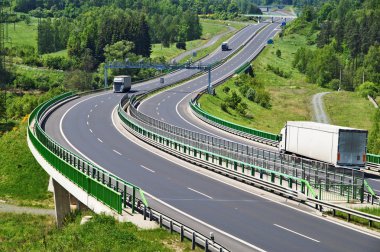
(92, 33)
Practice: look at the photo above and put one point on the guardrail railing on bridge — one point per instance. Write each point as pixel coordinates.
(100, 184)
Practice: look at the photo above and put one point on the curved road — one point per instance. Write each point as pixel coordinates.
(242, 220)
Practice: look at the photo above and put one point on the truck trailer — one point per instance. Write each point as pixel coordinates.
(336, 145)
(122, 83)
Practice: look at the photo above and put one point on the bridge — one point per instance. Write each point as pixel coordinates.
(269, 16)
(140, 158)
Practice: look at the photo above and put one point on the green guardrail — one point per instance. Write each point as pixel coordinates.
(73, 167)
(372, 158)
(369, 188)
(305, 185)
(243, 68)
(234, 126)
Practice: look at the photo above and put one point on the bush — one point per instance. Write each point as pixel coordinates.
(226, 89)
(242, 108)
(278, 53)
(243, 89)
(181, 45)
(224, 106)
(233, 100)
(369, 88)
(263, 98)
(57, 62)
(250, 94)
(334, 84)
(278, 71)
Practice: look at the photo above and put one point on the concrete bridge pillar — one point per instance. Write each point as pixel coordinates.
(62, 203)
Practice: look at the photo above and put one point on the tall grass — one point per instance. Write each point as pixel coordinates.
(38, 233)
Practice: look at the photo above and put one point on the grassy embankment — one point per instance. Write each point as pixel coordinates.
(290, 97)
(22, 180)
(209, 30)
(349, 109)
(24, 232)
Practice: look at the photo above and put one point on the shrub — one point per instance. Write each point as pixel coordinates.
(262, 98)
(243, 89)
(224, 106)
(368, 88)
(278, 53)
(334, 84)
(226, 89)
(233, 100)
(242, 108)
(181, 45)
(57, 62)
(250, 94)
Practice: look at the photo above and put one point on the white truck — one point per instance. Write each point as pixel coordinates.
(336, 145)
(122, 83)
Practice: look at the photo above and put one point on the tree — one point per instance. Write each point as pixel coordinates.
(233, 100)
(79, 80)
(278, 53)
(374, 136)
(118, 51)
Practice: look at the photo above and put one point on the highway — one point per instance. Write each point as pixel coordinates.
(240, 219)
(172, 106)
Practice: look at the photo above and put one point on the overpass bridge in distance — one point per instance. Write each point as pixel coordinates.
(268, 7)
(271, 16)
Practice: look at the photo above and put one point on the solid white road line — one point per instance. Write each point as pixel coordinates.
(294, 232)
(146, 168)
(100, 140)
(117, 152)
(191, 189)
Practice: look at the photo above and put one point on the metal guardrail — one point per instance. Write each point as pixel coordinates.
(350, 212)
(203, 158)
(310, 170)
(250, 133)
(100, 184)
(184, 152)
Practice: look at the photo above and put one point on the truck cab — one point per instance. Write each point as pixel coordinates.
(225, 46)
(121, 83)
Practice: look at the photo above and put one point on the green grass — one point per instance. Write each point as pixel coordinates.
(22, 34)
(210, 29)
(38, 233)
(290, 98)
(349, 109)
(62, 53)
(371, 210)
(22, 180)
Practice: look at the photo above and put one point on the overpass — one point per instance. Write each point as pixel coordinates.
(88, 133)
(269, 16)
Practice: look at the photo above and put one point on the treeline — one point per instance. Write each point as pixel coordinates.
(347, 44)
(71, 8)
